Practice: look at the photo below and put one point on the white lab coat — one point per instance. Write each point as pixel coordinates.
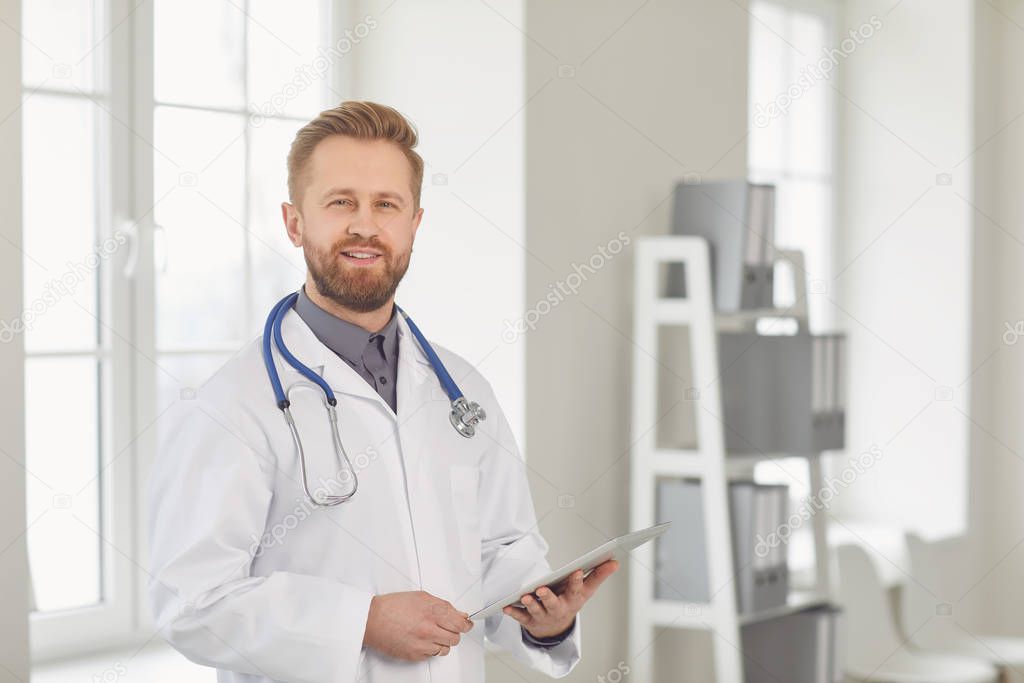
(249, 578)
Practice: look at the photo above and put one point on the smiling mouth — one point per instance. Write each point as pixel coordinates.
(361, 257)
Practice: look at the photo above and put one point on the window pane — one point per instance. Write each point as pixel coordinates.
(59, 45)
(804, 221)
(287, 73)
(808, 120)
(277, 265)
(61, 456)
(201, 253)
(61, 257)
(199, 53)
(769, 65)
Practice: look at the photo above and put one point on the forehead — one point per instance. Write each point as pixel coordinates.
(377, 165)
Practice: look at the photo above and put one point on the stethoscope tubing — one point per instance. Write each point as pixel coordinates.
(464, 416)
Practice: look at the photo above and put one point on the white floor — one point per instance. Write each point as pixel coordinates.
(156, 663)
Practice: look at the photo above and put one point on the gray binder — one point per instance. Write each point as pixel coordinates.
(795, 648)
(762, 582)
(781, 393)
(737, 219)
(762, 578)
(681, 553)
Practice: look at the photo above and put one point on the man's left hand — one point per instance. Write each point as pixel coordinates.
(552, 614)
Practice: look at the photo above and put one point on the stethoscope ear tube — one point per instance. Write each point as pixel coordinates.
(292, 360)
(268, 356)
(323, 499)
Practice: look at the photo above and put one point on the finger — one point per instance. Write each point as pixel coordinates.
(604, 570)
(444, 651)
(552, 603)
(456, 624)
(452, 619)
(574, 593)
(442, 636)
(533, 606)
(598, 576)
(519, 614)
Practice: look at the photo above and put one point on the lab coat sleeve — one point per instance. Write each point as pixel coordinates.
(514, 552)
(209, 497)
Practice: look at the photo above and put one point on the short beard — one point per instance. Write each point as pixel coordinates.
(362, 292)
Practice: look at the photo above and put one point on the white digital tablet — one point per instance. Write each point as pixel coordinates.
(617, 548)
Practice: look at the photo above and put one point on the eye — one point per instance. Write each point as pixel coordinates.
(340, 201)
(386, 204)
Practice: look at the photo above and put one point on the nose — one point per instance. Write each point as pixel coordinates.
(363, 223)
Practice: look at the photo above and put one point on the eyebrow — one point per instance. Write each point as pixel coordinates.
(387, 194)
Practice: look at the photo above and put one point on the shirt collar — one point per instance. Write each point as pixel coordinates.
(346, 339)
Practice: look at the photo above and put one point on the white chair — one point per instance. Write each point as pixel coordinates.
(931, 630)
(873, 651)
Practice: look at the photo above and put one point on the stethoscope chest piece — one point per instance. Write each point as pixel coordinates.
(466, 415)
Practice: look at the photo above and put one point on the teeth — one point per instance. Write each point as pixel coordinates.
(359, 254)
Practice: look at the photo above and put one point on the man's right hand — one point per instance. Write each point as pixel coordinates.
(413, 625)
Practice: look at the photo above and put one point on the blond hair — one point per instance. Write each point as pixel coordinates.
(359, 120)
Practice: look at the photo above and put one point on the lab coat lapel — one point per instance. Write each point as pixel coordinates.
(415, 382)
(304, 345)
(417, 385)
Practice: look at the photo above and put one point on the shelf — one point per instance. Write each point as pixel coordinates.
(798, 601)
(673, 311)
(688, 615)
(690, 463)
(742, 321)
(674, 462)
(679, 614)
(707, 462)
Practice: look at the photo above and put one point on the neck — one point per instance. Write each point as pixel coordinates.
(371, 321)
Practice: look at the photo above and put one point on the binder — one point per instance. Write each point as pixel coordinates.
(756, 512)
(681, 552)
(796, 648)
(737, 218)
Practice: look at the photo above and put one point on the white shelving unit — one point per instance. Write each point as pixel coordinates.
(707, 462)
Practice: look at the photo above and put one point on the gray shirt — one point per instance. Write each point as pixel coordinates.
(374, 355)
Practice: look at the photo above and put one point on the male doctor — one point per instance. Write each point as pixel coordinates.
(248, 575)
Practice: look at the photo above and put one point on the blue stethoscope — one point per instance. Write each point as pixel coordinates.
(465, 415)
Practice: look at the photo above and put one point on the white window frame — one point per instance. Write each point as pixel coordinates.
(61, 633)
(128, 292)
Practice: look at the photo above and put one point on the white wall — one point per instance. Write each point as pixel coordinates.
(14, 657)
(902, 291)
(648, 92)
(455, 68)
(995, 596)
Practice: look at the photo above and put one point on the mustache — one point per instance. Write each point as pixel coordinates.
(373, 243)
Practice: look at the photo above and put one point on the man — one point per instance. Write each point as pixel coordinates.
(251, 577)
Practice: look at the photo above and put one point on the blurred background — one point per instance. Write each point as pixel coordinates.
(142, 171)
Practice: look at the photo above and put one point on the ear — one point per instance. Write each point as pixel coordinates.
(416, 221)
(292, 222)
